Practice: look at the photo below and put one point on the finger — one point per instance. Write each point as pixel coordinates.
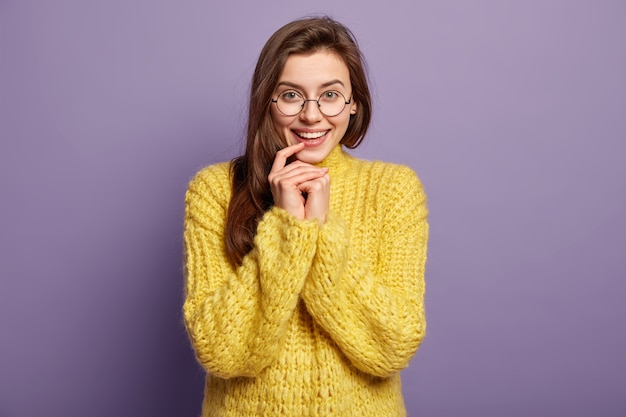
(316, 185)
(281, 156)
(318, 198)
(299, 166)
(293, 169)
(295, 178)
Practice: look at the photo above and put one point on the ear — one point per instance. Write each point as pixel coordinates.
(353, 107)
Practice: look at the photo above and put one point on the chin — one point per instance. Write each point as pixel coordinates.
(313, 156)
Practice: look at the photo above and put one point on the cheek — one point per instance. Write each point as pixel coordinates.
(343, 123)
(279, 120)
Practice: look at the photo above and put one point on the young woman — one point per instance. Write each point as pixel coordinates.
(305, 265)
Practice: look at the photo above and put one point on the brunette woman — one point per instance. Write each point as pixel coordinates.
(305, 265)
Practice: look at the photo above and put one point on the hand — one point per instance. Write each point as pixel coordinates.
(301, 189)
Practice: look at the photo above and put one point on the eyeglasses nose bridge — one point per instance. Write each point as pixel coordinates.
(310, 99)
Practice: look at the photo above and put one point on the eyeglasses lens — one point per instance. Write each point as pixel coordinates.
(330, 103)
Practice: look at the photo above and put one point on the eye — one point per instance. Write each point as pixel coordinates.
(290, 96)
(330, 96)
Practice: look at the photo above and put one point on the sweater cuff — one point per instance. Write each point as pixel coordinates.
(285, 242)
(330, 258)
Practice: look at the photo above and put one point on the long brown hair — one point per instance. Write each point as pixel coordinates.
(251, 196)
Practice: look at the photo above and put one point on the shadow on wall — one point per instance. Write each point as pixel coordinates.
(153, 369)
(155, 372)
(179, 378)
(174, 379)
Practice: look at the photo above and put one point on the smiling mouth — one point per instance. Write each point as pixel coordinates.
(311, 135)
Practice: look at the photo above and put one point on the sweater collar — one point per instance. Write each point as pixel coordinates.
(336, 161)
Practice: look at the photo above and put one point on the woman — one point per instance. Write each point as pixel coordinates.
(305, 265)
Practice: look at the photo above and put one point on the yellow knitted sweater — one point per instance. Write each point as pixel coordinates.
(318, 320)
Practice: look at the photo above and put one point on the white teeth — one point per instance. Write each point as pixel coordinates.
(311, 135)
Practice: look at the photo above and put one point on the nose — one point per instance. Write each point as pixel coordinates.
(311, 112)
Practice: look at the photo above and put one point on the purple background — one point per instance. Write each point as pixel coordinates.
(512, 113)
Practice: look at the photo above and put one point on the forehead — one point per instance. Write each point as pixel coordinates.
(313, 70)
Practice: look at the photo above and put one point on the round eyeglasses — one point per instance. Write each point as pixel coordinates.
(330, 103)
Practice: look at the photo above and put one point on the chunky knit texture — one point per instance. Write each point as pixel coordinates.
(318, 320)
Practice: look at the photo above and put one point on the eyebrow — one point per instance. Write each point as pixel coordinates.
(299, 87)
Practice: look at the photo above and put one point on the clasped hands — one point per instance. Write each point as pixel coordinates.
(301, 189)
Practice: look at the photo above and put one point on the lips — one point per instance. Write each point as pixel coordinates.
(311, 139)
(310, 135)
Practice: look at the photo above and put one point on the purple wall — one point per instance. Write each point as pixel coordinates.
(513, 114)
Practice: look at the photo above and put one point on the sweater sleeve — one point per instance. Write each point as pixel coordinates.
(371, 301)
(236, 318)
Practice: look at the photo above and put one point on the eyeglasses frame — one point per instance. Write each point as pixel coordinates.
(317, 101)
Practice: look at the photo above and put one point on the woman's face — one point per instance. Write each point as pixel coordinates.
(311, 76)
